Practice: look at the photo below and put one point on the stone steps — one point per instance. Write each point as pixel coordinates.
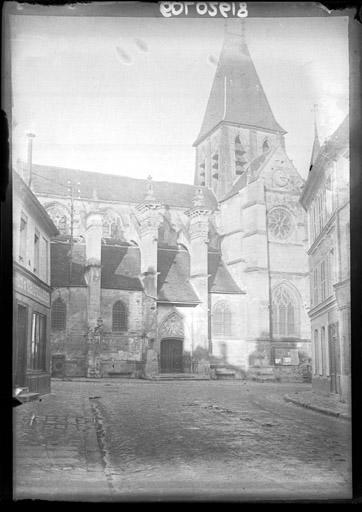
(262, 374)
(224, 373)
(181, 376)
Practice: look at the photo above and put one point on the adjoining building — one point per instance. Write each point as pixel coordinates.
(32, 232)
(169, 277)
(326, 200)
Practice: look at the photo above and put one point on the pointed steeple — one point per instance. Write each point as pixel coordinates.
(237, 95)
(316, 144)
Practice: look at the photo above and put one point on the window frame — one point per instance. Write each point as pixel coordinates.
(121, 324)
(57, 325)
(37, 354)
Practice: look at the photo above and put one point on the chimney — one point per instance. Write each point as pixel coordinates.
(30, 136)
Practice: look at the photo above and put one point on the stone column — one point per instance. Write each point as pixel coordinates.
(93, 239)
(342, 291)
(199, 228)
(148, 215)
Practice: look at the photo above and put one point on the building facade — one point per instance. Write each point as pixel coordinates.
(241, 156)
(214, 272)
(326, 200)
(33, 230)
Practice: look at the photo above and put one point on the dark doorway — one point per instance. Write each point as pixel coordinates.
(21, 345)
(333, 356)
(171, 356)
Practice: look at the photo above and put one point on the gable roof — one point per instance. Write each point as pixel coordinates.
(35, 207)
(336, 144)
(110, 187)
(237, 95)
(220, 279)
(173, 285)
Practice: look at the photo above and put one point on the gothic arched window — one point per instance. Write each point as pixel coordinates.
(119, 316)
(222, 319)
(59, 315)
(285, 313)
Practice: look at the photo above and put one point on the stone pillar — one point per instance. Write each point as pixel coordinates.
(342, 291)
(93, 238)
(199, 228)
(148, 215)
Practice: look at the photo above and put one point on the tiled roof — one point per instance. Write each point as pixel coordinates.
(237, 95)
(173, 283)
(60, 264)
(109, 187)
(121, 267)
(220, 279)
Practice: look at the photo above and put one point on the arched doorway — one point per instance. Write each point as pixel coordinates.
(171, 335)
(171, 355)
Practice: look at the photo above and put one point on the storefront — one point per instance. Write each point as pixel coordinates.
(31, 324)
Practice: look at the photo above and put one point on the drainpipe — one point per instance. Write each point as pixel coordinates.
(30, 136)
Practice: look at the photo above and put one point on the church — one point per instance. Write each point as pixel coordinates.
(154, 278)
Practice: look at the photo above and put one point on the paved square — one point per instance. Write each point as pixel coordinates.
(122, 440)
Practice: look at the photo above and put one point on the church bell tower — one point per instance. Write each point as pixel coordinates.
(238, 124)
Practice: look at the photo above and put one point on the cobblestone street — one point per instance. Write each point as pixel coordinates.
(116, 440)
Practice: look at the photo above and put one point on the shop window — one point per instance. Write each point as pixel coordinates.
(59, 315)
(119, 316)
(38, 342)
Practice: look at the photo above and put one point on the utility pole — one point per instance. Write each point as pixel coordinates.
(71, 189)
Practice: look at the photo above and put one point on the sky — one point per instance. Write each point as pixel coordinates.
(127, 95)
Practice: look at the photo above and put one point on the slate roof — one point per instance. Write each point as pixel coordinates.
(109, 187)
(60, 264)
(173, 265)
(121, 267)
(237, 95)
(120, 270)
(220, 279)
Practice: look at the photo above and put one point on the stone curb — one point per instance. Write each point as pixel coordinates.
(322, 410)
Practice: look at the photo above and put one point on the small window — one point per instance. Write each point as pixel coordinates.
(59, 315)
(23, 235)
(119, 317)
(36, 252)
(266, 146)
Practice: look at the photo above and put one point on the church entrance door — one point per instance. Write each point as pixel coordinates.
(171, 355)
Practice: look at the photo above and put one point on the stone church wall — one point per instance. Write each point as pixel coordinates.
(72, 341)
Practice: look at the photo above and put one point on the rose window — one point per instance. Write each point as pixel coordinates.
(280, 223)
